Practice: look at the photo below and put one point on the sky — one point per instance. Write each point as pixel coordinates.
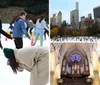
(66, 6)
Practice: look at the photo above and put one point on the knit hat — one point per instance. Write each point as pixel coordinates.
(9, 53)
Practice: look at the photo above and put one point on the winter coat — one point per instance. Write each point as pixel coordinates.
(3, 32)
(36, 61)
(19, 28)
(26, 25)
(41, 24)
(0, 27)
(0, 24)
(31, 24)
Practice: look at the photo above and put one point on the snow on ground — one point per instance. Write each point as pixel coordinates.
(7, 77)
(80, 39)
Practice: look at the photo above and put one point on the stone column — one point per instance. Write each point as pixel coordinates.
(96, 78)
(56, 75)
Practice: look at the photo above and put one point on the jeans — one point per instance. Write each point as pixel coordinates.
(39, 31)
(18, 42)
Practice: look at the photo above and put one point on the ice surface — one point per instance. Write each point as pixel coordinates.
(7, 77)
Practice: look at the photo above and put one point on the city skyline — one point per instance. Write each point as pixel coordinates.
(85, 7)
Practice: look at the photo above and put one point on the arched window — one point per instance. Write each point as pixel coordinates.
(75, 58)
(75, 65)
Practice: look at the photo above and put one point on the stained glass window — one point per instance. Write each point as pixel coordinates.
(60, 51)
(75, 57)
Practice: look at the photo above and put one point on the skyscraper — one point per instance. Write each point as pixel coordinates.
(82, 22)
(59, 18)
(90, 16)
(54, 20)
(74, 17)
(96, 11)
(77, 15)
(77, 5)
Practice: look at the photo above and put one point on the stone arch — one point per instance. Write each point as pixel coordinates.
(78, 50)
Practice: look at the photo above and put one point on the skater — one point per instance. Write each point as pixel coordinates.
(26, 25)
(19, 30)
(11, 28)
(4, 33)
(46, 31)
(31, 26)
(39, 30)
(0, 34)
(33, 59)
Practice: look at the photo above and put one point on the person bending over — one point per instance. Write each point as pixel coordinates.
(33, 59)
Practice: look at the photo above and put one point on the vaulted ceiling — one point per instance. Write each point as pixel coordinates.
(67, 49)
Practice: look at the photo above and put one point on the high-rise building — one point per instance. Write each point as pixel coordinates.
(54, 20)
(77, 15)
(82, 18)
(51, 20)
(82, 22)
(90, 16)
(74, 17)
(59, 18)
(96, 11)
(77, 5)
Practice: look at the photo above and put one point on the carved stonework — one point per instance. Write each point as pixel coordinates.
(89, 80)
(96, 77)
(60, 81)
(96, 72)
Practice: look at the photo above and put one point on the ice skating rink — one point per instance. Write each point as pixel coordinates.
(7, 77)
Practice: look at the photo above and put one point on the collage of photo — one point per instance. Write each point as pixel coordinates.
(50, 42)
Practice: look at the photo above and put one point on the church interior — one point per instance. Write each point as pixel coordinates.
(75, 64)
